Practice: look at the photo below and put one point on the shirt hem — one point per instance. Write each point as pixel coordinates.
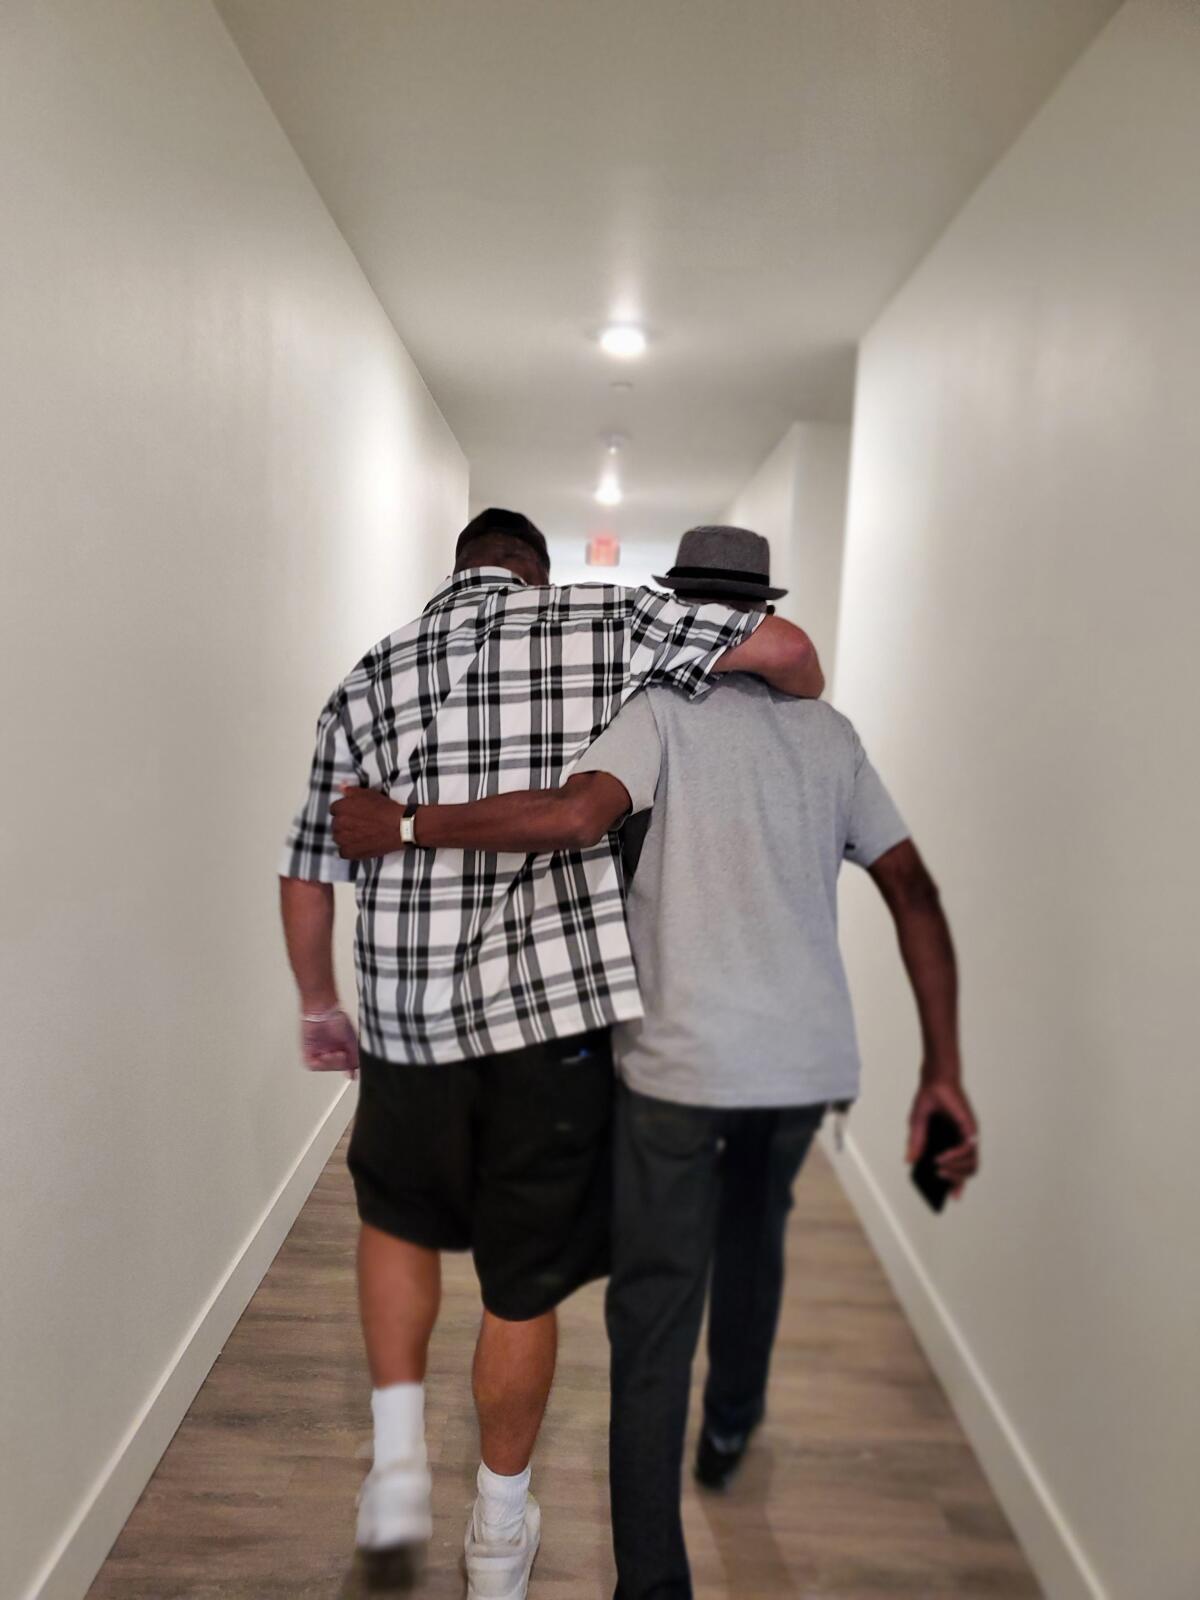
(829, 1093)
(325, 870)
(515, 1035)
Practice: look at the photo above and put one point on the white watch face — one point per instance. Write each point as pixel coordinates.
(406, 831)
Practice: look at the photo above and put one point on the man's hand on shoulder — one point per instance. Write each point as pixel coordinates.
(366, 824)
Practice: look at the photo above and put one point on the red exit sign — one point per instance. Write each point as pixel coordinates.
(604, 551)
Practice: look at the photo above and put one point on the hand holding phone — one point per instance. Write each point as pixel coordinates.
(943, 1140)
(942, 1133)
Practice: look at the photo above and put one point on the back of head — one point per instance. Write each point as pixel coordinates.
(500, 538)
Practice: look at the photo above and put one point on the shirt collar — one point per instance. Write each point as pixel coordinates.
(475, 578)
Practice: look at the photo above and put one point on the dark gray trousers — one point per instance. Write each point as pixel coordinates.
(695, 1187)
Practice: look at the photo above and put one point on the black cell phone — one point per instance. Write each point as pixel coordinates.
(942, 1133)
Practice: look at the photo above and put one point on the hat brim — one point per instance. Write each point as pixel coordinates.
(720, 588)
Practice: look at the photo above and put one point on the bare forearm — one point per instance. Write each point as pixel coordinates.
(525, 821)
(927, 950)
(367, 824)
(307, 911)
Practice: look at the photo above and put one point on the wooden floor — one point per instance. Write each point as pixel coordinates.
(860, 1486)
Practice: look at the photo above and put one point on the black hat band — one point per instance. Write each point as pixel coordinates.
(722, 575)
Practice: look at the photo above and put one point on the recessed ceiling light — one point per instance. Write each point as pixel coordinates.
(623, 340)
(608, 493)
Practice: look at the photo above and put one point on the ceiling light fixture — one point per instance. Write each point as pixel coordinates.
(623, 340)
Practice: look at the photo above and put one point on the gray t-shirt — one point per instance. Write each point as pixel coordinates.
(732, 911)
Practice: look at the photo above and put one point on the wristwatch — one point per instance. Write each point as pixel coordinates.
(408, 825)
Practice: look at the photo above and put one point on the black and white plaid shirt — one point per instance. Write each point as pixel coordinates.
(496, 686)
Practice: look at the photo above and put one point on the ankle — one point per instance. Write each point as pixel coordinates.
(500, 1508)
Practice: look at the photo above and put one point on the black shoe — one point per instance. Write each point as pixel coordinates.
(717, 1463)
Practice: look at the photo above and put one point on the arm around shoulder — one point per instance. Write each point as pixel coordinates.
(783, 655)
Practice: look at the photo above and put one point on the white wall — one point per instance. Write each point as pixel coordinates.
(1019, 648)
(223, 479)
(797, 500)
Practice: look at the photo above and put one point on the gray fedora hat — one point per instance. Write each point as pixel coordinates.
(722, 561)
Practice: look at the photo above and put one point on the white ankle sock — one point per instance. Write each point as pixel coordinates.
(399, 1413)
(500, 1509)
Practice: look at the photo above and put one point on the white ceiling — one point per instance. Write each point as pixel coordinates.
(752, 180)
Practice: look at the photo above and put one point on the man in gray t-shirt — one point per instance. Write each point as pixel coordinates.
(732, 912)
(747, 1036)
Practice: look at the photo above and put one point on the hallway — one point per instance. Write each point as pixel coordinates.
(292, 291)
(861, 1488)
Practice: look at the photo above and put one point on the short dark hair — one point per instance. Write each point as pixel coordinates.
(495, 522)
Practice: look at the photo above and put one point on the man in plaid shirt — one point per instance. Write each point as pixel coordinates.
(486, 986)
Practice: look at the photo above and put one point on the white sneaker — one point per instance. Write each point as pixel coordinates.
(501, 1571)
(394, 1507)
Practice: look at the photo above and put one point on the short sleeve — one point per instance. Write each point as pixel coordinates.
(630, 750)
(310, 851)
(875, 825)
(677, 645)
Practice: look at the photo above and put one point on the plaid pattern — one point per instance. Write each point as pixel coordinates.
(497, 686)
